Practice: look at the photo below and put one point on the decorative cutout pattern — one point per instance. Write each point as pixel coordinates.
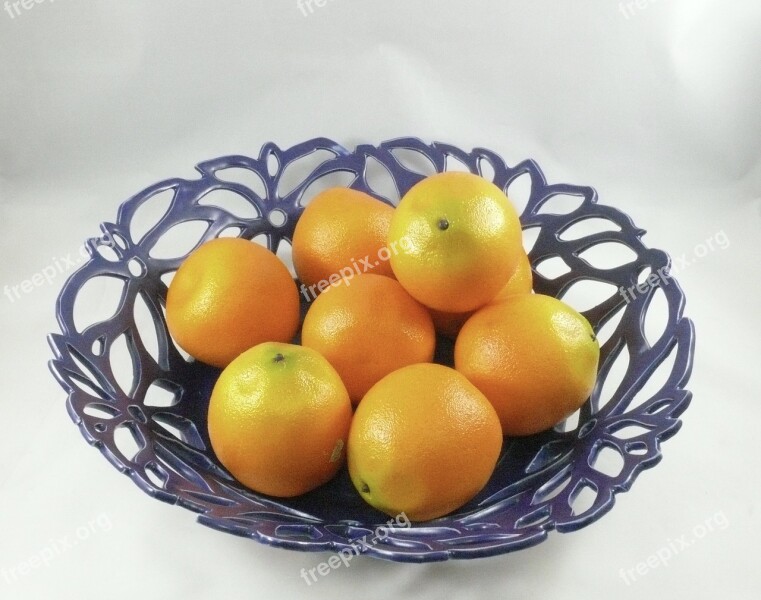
(550, 481)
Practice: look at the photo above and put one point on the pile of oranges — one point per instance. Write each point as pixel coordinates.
(386, 283)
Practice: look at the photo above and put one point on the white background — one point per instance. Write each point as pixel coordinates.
(656, 105)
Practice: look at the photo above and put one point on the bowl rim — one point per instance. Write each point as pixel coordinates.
(448, 537)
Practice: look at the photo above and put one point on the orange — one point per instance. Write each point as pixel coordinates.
(367, 327)
(533, 356)
(229, 295)
(424, 441)
(455, 240)
(279, 417)
(341, 233)
(520, 282)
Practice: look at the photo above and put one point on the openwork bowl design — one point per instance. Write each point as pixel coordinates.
(151, 425)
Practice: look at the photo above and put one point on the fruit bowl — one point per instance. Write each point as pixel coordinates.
(142, 401)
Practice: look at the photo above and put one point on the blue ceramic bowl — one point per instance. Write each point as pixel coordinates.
(153, 427)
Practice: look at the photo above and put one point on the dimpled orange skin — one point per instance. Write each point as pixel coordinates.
(338, 229)
(534, 357)
(424, 441)
(368, 327)
(520, 282)
(229, 295)
(462, 240)
(279, 419)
